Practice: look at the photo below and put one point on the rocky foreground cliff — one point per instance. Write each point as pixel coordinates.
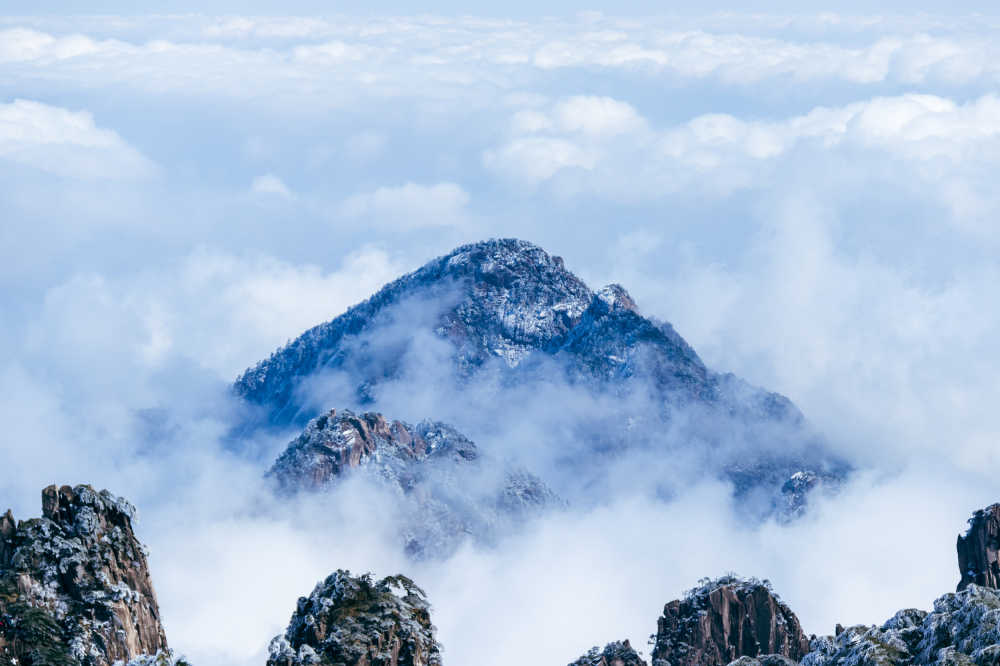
(75, 588)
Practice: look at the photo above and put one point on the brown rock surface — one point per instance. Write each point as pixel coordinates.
(724, 620)
(978, 549)
(75, 585)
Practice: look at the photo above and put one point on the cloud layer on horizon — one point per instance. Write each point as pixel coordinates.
(808, 199)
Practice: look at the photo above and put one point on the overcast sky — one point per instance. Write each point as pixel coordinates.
(808, 196)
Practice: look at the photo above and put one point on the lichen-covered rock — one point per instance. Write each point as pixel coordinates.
(723, 620)
(962, 630)
(979, 549)
(74, 584)
(618, 653)
(353, 621)
(449, 490)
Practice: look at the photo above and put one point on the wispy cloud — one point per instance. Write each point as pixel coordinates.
(66, 143)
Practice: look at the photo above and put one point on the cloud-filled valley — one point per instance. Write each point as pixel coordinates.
(807, 199)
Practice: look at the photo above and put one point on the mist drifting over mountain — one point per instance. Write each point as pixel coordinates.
(553, 312)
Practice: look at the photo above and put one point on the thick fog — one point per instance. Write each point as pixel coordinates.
(807, 198)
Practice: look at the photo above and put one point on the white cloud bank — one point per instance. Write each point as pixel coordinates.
(932, 144)
(336, 63)
(66, 143)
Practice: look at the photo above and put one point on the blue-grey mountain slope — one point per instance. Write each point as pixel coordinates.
(499, 333)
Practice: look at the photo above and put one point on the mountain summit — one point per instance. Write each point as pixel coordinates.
(499, 299)
(478, 337)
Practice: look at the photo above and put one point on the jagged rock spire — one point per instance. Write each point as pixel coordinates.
(75, 584)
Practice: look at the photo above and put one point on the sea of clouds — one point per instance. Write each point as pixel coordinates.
(809, 199)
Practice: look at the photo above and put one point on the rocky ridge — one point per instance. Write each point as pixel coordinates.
(75, 587)
(438, 473)
(509, 315)
(75, 591)
(724, 619)
(358, 622)
(963, 629)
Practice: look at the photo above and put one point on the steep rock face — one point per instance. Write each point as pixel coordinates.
(357, 622)
(618, 653)
(962, 630)
(979, 549)
(723, 620)
(506, 313)
(437, 472)
(75, 585)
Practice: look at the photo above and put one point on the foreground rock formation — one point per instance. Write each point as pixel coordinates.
(619, 653)
(449, 490)
(962, 630)
(357, 622)
(723, 620)
(74, 584)
(979, 549)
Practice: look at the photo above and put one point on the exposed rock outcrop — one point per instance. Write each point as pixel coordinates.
(723, 620)
(335, 443)
(357, 622)
(74, 585)
(449, 490)
(618, 653)
(962, 630)
(979, 549)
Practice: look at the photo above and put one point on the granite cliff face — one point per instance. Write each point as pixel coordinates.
(723, 620)
(506, 318)
(74, 584)
(979, 548)
(448, 488)
(355, 621)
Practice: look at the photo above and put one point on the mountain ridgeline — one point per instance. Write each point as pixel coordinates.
(501, 341)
